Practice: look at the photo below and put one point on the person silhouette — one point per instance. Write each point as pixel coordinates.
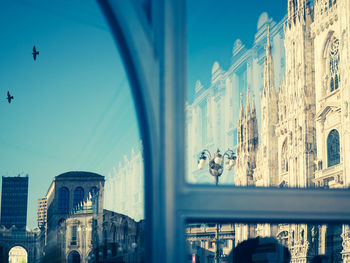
(260, 250)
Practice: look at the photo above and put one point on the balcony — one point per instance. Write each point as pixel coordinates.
(331, 177)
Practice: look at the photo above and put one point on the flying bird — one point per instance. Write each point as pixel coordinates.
(9, 97)
(35, 53)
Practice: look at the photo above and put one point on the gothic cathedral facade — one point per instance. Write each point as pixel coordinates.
(305, 123)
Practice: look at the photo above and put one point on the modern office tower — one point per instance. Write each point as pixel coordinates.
(42, 210)
(14, 197)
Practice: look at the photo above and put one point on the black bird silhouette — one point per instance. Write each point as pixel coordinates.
(9, 97)
(35, 53)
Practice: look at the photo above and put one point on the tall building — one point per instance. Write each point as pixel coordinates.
(42, 212)
(14, 197)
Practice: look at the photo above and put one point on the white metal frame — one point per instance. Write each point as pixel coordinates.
(154, 53)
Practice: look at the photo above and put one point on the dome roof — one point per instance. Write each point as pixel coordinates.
(78, 174)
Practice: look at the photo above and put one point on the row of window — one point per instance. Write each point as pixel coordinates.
(78, 196)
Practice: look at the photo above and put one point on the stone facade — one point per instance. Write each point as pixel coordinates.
(295, 133)
(31, 240)
(81, 230)
(126, 184)
(74, 202)
(123, 238)
(304, 122)
(202, 241)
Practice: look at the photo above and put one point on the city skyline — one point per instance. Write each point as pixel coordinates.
(56, 54)
(61, 119)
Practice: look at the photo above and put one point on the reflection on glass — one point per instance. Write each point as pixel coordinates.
(276, 102)
(233, 242)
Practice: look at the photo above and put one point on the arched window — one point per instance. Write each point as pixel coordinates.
(78, 195)
(334, 65)
(333, 149)
(74, 257)
(63, 200)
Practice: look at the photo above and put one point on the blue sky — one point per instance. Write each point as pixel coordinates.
(213, 27)
(73, 108)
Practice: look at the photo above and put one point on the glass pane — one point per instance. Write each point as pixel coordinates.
(257, 87)
(71, 155)
(261, 242)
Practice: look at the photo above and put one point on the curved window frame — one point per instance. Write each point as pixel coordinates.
(71, 256)
(333, 148)
(333, 64)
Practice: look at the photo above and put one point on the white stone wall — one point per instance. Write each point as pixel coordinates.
(124, 187)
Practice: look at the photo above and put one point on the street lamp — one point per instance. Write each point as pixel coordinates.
(216, 168)
(216, 162)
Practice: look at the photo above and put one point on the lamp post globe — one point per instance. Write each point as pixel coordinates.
(216, 168)
(216, 162)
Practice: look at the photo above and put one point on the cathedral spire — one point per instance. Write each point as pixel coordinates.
(268, 67)
(268, 44)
